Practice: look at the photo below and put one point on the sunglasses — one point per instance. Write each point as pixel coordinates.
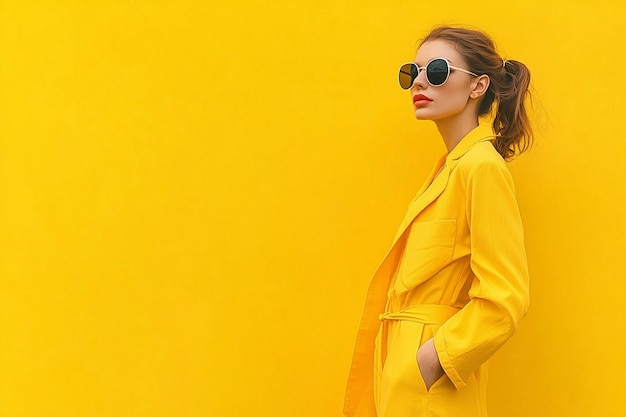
(437, 72)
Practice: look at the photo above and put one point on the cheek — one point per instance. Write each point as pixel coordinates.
(454, 95)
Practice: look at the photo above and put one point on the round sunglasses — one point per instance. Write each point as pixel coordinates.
(437, 72)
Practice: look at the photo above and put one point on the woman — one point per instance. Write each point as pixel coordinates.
(454, 285)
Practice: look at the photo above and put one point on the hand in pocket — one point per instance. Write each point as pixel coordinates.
(428, 363)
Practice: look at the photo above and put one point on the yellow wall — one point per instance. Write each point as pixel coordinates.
(193, 196)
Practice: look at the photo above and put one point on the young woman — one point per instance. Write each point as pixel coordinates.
(454, 285)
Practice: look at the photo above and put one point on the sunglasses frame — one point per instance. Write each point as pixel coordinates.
(419, 69)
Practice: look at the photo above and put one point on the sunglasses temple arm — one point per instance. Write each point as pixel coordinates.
(464, 70)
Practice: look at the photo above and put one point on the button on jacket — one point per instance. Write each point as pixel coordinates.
(456, 272)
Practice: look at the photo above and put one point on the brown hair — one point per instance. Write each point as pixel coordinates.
(508, 87)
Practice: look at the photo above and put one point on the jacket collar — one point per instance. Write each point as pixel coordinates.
(480, 133)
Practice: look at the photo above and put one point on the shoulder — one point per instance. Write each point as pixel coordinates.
(482, 163)
(481, 154)
(481, 157)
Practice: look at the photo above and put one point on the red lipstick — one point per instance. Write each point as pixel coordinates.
(420, 100)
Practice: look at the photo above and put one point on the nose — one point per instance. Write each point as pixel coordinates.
(420, 81)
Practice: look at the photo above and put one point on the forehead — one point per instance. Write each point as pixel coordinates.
(437, 48)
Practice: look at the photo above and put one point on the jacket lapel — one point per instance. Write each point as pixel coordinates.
(437, 181)
(434, 185)
(430, 194)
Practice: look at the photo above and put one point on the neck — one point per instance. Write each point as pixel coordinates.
(453, 130)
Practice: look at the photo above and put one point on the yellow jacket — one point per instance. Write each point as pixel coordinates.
(456, 271)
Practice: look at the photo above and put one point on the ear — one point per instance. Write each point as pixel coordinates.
(480, 86)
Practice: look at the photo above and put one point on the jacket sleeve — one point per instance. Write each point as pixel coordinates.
(499, 291)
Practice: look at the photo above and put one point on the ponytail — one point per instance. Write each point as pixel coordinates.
(511, 122)
(508, 87)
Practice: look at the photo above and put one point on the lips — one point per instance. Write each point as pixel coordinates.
(421, 100)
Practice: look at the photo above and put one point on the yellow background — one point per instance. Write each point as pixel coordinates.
(194, 195)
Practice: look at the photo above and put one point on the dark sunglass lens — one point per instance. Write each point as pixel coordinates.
(437, 71)
(406, 76)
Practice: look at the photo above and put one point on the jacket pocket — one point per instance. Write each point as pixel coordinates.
(429, 248)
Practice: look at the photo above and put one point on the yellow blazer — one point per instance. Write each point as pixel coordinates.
(456, 271)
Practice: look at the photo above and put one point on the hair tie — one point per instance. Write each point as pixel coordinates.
(504, 63)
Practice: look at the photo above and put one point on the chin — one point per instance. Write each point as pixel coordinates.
(420, 114)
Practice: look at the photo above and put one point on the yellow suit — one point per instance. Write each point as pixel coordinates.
(457, 272)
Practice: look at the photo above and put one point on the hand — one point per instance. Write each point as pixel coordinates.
(428, 363)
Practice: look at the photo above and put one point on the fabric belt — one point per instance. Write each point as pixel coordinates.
(427, 314)
(422, 313)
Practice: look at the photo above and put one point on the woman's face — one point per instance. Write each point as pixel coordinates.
(447, 100)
